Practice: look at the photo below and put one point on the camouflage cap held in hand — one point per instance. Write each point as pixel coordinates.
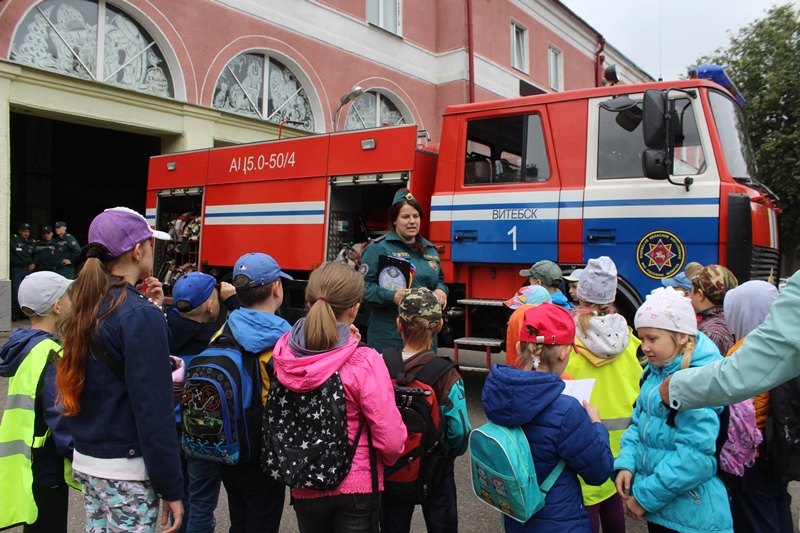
(715, 281)
(420, 302)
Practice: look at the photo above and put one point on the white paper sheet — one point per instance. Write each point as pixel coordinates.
(579, 388)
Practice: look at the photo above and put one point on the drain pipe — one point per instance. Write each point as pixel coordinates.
(471, 53)
(599, 58)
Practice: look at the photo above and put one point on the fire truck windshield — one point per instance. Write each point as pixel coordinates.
(732, 129)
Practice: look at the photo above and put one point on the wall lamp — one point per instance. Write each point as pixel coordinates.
(354, 94)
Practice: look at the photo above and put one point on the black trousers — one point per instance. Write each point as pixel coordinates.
(53, 505)
(655, 528)
(255, 500)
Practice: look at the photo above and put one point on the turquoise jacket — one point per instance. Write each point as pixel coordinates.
(674, 469)
(769, 356)
(382, 329)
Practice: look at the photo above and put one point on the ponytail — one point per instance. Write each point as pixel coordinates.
(79, 329)
(332, 290)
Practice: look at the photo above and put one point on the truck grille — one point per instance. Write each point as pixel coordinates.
(763, 262)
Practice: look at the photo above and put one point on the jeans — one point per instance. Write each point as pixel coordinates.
(201, 481)
(440, 510)
(343, 513)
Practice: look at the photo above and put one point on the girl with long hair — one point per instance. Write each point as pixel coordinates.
(322, 343)
(114, 381)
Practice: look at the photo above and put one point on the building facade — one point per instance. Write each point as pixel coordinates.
(90, 89)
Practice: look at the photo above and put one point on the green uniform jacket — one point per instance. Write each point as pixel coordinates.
(44, 255)
(382, 331)
(67, 247)
(769, 356)
(21, 252)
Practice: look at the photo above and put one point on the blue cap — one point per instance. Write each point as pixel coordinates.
(260, 269)
(195, 288)
(679, 281)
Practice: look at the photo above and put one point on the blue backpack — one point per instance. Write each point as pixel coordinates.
(221, 406)
(503, 474)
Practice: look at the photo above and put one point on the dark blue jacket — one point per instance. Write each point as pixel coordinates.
(556, 426)
(134, 418)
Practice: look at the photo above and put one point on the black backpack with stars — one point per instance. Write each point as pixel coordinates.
(304, 438)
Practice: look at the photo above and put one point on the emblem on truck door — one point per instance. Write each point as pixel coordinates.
(660, 254)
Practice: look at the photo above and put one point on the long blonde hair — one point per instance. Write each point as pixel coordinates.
(332, 289)
(687, 350)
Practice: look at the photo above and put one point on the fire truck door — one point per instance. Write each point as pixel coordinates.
(505, 209)
(650, 228)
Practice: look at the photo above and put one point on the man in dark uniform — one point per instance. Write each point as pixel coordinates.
(22, 264)
(67, 251)
(44, 253)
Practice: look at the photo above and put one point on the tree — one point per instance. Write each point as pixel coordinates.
(763, 60)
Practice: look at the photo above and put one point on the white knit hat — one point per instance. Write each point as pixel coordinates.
(598, 283)
(666, 308)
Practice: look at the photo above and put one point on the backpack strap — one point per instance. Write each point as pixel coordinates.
(393, 357)
(551, 479)
(434, 369)
(226, 339)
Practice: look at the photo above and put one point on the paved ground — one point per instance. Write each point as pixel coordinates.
(474, 515)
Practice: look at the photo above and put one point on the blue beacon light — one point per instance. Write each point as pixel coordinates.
(718, 75)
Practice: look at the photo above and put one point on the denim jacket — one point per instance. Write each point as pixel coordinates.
(133, 418)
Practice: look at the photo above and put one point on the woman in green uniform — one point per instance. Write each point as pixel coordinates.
(403, 242)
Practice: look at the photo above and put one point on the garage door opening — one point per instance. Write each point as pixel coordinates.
(71, 172)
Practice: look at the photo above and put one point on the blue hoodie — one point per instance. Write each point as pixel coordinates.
(674, 469)
(258, 332)
(48, 466)
(556, 426)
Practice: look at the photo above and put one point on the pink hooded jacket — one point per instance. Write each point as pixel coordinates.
(368, 394)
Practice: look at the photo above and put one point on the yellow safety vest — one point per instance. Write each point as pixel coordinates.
(615, 390)
(17, 439)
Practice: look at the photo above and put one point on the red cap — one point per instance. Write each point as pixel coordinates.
(554, 325)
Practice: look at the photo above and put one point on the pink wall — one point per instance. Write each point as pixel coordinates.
(207, 36)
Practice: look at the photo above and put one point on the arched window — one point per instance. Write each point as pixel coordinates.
(373, 110)
(274, 94)
(61, 35)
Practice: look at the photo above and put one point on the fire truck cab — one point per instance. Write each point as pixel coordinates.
(562, 176)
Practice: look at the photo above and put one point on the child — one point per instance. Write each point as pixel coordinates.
(255, 500)
(419, 321)
(555, 424)
(667, 468)
(34, 481)
(527, 297)
(548, 275)
(115, 381)
(758, 502)
(605, 350)
(709, 285)
(323, 343)
(572, 280)
(192, 325)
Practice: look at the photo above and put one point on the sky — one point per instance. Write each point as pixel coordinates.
(686, 29)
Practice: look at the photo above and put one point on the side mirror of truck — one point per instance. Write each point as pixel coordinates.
(629, 115)
(654, 119)
(654, 164)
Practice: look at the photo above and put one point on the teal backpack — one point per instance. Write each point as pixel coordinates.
(503, 474)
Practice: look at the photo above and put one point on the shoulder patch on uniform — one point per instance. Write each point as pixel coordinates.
(434, 265)
(363, 269)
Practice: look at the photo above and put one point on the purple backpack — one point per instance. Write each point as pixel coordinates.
(739, 450)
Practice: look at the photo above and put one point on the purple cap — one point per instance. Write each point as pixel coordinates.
(260, 269)
(120, 229)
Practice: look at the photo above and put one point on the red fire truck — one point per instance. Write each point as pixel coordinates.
(652, 175)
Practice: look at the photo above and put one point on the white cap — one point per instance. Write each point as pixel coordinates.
(575, 275)
(666, 308)
(598, 282)
(40, 290)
